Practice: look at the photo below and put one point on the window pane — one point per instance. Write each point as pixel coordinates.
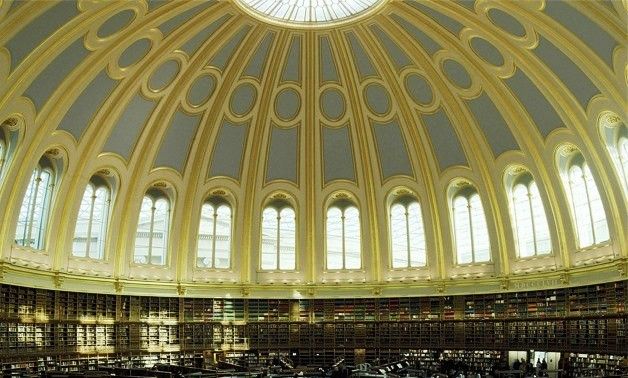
(287, 242)
(580, 206)
(79, 245)
(269, 238)
(462, 230)
(352, 238)
(523, 221)
(334, 238)
(600, 227)
(23, 222)
(481, 245)
(417, 236)
(223, 237)
(142, 236)
(205, 237)
(99, 223)
(543, 239)
(399, 236)
(40, 209)
(160, 233)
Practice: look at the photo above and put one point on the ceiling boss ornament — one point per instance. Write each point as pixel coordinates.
(309, 13)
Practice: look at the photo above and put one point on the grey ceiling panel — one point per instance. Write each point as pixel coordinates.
(457, 74)
(195, 42)
(584, 28)
(445, 142)
(55, 73)
(337, 154)
(223, 56)
(177, 141)
(534, 102)
(453, 26)
(419, 89)
(164, 74)
(170, 25)
(135, 52)
(201, 89)
(115, 23)
(391, 149)
(490, 120)
(362, 59)
(243, 99)
(506, 22)
(332, 104)
(469, 4)
(34, 33)
(292, 68)
(287, 104)
(567, 71)
(377, 98)
(328, 65)
(485, 50)
(229, 150)
(255, 66)
(428, 44)
(396, 54)
(129, 126)
(154, 4)
(87, 105)
(283, 154)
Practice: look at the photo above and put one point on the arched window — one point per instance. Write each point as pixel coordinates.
(278, 237)
(588, 212)
(343, 236)
(214, 235)
(470, 230)
(90, 232)
(407, 235)
(615, 135)
(33, 218)
(530, 223)
(151, 240)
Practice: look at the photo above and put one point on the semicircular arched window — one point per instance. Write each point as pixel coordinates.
(615, 135)
(90, 232)
(530, 223)
(471, 238)
(34, 212)
(344, 245)
(588, 212)
(407, 235)
(278, 237)
(214, 235)
(151, 239)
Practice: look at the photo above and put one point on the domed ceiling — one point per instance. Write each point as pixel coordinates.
(204, 98)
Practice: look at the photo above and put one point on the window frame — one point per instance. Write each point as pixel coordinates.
(526, 180)
(43, 166)
(343, 206)
(215, 203)
(406, 202)
(278, 206)
(576, 159)
(96, 183)
(155, 196)
(467, 193)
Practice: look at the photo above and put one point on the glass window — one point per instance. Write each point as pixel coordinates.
(33, 218)
(530, 223)
(344, 250)
(470, 229)
(151, 240)
(91, 225)
(308, 11)
(407, 235)
(214, 236)
(278, 238)
(588, 212)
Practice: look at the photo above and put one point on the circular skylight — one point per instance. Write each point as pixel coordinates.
(309, 13)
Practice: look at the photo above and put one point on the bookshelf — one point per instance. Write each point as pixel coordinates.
(44, 329)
